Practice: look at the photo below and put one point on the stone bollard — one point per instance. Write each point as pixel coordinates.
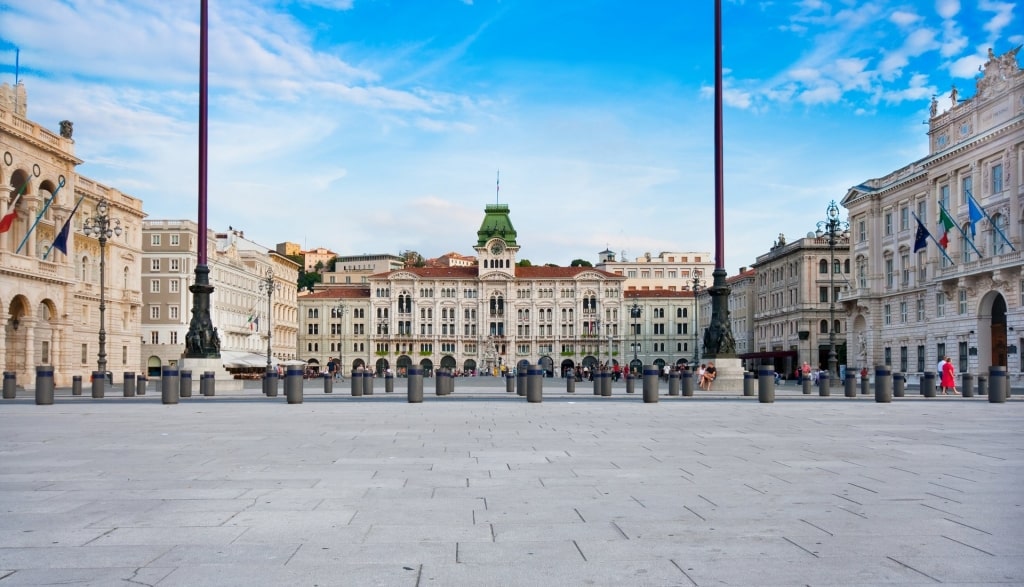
(510, 382)
(766, 384)
(928, 384)
(673, 382)
(884, 384)
(439, 382)
(521, 382)
(76, 385)
(389, 382)
(570, 383)
(208, 384)
(140, 384)
(535, 384)
(899, 384)
(10, 385)
(606, 383)
(807, 385)
(630, 383)
(749, 383)
(169, 391)
(357, 381)
(850, 384)
(967, 384)
(98, 380)
(129, 384)
(270, 380)
(415, 377)
(997, 384)
(328, 383)
(982, 384)
(595, 378)
(824, 387)
(650, 384)
(686, 382)
(293, 384)
(185, 382)
(44, 385)
(368, 381)
(865, 385)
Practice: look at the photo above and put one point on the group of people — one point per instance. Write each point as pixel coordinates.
(947, 376)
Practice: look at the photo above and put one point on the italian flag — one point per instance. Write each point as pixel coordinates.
(946, 224)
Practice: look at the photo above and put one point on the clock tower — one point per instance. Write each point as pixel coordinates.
(496, 245)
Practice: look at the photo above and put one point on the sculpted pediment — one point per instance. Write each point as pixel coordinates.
(590, 275)
(404, 275)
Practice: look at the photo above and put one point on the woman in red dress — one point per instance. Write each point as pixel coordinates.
(948, 377)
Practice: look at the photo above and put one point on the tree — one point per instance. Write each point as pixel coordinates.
(580, 263)
(308, 280)
(524, 263)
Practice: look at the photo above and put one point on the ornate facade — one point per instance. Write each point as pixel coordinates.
(911, 303)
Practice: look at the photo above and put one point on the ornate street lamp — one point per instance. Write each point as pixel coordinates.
(269, 286)
(698, 284)
(634, 313)
(340, 312)
(102, 226)
(833, 228)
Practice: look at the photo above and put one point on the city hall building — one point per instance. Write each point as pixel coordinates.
(913, 301)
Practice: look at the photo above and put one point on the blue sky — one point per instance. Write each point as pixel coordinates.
(369, 126)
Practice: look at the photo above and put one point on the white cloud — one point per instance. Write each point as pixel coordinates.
(904, 19)
(825, 93)
(1001, 19)
(947, 9)
(967, 67)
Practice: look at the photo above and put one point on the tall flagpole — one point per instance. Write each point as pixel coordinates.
(718, 339)
(202, 340)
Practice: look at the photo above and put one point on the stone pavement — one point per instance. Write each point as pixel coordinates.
(482, 488)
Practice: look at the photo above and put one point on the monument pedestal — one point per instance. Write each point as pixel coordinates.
(729, 375)
(223, 380)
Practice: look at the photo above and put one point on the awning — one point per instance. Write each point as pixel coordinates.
(768, 355)
(243, 360)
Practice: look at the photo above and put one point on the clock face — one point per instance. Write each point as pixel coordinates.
(497, 248)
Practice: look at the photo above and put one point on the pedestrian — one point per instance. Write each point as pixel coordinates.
(938, 367)
(948, 377)
(805, 370)
(700, 376)
(709, 375)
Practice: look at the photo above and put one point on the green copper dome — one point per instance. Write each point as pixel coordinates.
(496, 224)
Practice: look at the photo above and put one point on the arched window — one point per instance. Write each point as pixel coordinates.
(835, 327)
(823, 266)
(823, 327)
(998, 231)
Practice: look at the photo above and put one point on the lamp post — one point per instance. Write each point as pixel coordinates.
(833, 228)
(382, 327)
(102, 226)
(340, 309)
(634, 313)
(269, 286)
(698, 283)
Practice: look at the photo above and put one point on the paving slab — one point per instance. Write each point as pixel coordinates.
(482, 488)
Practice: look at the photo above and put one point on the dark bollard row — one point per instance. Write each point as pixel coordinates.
(899, 384)
(140, 385)
(389, 382)
(44, 385)
(967, 385)
(169, 386)
(686, 380)
(129, 384)
(510, 382)
(865, 385)
(650, 385)
(824, 385)
(185, 383)
(535, 384)
(99, 380)
(630, 383)
(207, 385)
(570, 382)
(293, 385)
(998, 385)
(884, 384)
(357, 381)
(328, 383)
(806, 385)
(521, 382)
(415, 377)
(928, 384)
(673, 382)
(850, 384)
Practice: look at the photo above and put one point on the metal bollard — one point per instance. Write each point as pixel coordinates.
(521, 382)
(368, 381)
(357, 381)
(997, 384)
(389, 382)
(570, 383)
(208, 384)
(169, 384)
(928, 384)
(140, 384)
(650, 384)
(76, 385)
(510, 382)
(884, 381)
(595, 378)
(749, 383)
(850, 384)
(10, 385)
(865, 385)
(630, 383)
(293, 384)
(44, 385)
(673, 382)
(606, 383)
(967, 384)
(98, 380)
(129, 384)
(824, 387)
(535, 384)
(185, 382)
(806, 384)
(328, 383)
(765, 384)
(899, 384)
(415, 391)
(439, 382)
(686, 381)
